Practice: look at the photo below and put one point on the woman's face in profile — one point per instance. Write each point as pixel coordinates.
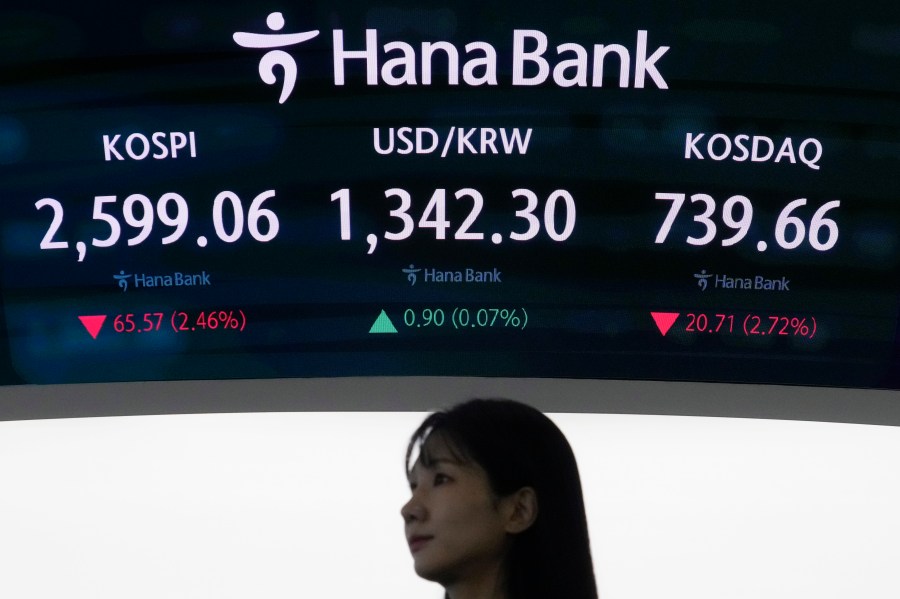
(454, 523)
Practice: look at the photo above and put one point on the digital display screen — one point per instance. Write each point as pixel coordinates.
(645, 191)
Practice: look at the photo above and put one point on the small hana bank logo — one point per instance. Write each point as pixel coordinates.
(175, 279)
(122, 279)
(701, 279)
(466, 275)
(754, 283)
(275, 22)
(411, 274)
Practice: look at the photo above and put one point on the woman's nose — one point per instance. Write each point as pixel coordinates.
(412, 510)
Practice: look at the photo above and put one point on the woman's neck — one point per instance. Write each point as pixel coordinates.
(472, 591)
(486, 586)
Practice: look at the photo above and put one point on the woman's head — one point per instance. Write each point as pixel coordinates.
(495, 485)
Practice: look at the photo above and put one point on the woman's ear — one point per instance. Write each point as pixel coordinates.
(521, 510)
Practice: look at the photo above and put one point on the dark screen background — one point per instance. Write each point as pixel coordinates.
(71, 75)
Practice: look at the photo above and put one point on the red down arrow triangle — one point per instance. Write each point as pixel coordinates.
(93, 324)
(664, 320)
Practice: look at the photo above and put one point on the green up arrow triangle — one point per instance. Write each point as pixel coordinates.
(383, 324)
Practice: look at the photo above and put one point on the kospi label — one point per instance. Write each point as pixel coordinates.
(159, 146)
(396, 62)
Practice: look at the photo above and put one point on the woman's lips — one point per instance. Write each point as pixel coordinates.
(417, 542)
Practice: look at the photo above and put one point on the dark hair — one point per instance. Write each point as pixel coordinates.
(518, 446)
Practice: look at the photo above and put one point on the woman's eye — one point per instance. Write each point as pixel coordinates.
(440, 479)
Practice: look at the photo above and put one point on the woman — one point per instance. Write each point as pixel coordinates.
(496, 510)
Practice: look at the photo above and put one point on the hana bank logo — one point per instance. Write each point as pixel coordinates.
(122, 280)
(411, 273)
(530, 61)
(702, 277)
(275, 22)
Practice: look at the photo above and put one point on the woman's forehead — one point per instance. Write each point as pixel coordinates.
(434, 450)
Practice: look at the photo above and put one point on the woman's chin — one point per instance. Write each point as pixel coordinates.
(428, 570)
